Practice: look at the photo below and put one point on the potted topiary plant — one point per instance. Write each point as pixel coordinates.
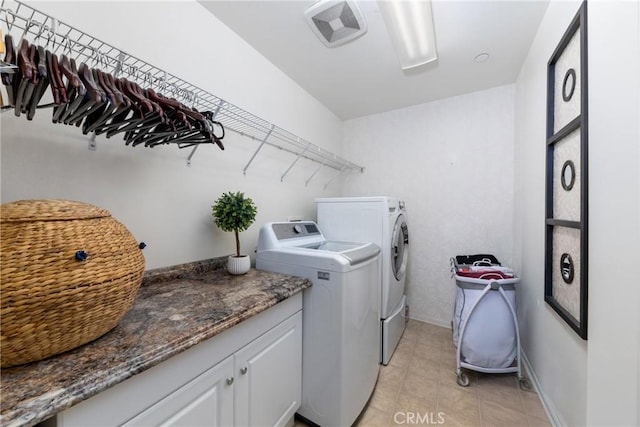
(235, 212)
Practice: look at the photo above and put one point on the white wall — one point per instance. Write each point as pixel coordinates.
(592, 382)
(614, 213)
(151, 191)
(557, 354)
(452, 162)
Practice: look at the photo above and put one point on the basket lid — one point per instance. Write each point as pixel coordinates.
(49, 210)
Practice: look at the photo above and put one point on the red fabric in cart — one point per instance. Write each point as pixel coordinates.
(485, 274)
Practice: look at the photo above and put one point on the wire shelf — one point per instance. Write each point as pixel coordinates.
(39, 27)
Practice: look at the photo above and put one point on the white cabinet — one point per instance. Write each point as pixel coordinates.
(205, 401)
(266, 392)
(257, 386)
(249, 375)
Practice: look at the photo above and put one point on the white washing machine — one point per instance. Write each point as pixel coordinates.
(340, 326)
(383, 221)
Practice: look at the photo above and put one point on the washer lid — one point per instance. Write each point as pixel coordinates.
(334, 246)
(295, 256)
(355, 253)
(361, 253)
(293, 241)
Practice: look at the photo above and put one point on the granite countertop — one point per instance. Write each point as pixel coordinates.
(175, 309)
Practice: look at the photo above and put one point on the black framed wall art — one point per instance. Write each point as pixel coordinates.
(566, 247)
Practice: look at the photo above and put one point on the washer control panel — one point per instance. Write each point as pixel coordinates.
(291, 230)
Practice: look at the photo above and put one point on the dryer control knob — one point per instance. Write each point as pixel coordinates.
(297, 228)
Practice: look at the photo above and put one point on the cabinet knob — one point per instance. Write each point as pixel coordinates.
(244, 370)
(229, 380)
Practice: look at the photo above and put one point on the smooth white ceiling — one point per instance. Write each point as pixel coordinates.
(363, 76)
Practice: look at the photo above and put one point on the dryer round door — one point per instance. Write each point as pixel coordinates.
(400, 248)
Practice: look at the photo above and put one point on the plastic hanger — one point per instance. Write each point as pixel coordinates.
(41, 87)
(93, 99)
(75, 90)
(27, 70)
(8, 78)
(34, 81)
(53, 72)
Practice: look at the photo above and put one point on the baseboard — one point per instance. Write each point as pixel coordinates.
(432, 322)
(554, 416)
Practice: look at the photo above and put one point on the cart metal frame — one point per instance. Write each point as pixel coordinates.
(487, 285)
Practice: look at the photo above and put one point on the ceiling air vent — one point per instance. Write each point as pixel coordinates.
(336, 22)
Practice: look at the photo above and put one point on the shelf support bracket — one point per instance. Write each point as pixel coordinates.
(244, 170)
(93, 145)
(335, 177)
(314, 174)
(300, 154)
(193, 150)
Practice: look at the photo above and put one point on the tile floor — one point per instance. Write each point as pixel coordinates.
(419, 387)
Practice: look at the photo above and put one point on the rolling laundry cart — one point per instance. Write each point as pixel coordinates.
(485, 326)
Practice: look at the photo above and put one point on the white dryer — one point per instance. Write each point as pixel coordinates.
(383, 221)
(340, 326)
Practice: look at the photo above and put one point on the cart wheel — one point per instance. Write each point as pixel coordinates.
(462, 380)
(525, 384)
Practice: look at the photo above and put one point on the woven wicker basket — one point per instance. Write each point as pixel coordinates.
(69, 273)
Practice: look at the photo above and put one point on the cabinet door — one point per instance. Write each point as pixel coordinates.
(205, 401)
(268, 375)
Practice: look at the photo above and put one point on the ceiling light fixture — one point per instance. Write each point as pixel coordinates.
(410, 27)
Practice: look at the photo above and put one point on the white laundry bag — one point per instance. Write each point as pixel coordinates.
(489, 339)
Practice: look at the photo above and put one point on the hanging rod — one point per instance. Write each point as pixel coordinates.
(42, 28)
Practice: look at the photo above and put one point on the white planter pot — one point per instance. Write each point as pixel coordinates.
(238, 265)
